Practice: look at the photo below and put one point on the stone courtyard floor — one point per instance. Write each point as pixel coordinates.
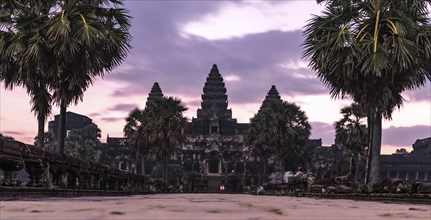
(206, 206)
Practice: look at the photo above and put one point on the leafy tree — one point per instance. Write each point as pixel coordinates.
(49, 141)
(65, 43)
(351, 133)
(83, 143)
(281, 129)
(371, 51)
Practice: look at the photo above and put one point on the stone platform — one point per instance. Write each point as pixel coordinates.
(206, 206)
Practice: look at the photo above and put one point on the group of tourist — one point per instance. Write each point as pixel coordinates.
(287, 175)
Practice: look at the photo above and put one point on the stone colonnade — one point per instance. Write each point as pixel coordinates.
(49, 169)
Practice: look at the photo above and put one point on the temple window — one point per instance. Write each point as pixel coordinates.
(214, 129)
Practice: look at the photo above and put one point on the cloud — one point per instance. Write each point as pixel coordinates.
(239, 19)
(123, 107)
(13, 133)
(323, 130)
(419, 95)
(405, 136)
(95, 114)
(112, 119)
(394, 137)
(231, 78)
(249, 65)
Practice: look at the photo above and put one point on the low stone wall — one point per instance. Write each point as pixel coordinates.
(51, 170)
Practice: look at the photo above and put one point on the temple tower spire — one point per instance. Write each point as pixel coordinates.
(155, 92)
(214, 117)
(271, 96)
(214, 98)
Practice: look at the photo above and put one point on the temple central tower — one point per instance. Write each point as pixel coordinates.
(214, 116)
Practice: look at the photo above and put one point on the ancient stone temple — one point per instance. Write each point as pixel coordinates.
(215, 151)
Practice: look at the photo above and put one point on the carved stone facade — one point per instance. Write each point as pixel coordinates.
(215, 151)
(413, 167)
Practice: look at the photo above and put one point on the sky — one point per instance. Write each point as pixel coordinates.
(255, 44)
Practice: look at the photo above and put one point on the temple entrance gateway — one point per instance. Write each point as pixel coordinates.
(214, 182)
(214, 162)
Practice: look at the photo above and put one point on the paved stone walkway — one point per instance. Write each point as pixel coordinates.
(207, 206)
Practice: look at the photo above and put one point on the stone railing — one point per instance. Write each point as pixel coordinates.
(49, 169)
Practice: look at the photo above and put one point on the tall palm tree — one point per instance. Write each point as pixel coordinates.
(165, 128)
(89, 38)
(69, 41)
(137, 133)
(371, 51)
(352, 133)
(23, 55)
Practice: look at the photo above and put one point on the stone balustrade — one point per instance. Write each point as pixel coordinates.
(49, 169)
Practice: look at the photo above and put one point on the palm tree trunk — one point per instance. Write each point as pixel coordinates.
(356, 158)
(40, 130)
(370, 138)
(374, 143)
(62, 127)
(375, 149)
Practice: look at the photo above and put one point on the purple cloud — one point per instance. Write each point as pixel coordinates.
(123, 107)
(112, 119)
(417, 95)
(405, 136)
(323, 130)
(181, 65)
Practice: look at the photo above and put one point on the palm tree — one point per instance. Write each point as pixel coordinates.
(257, 139)
(371, 51)
(137, 134)
(89, 38)
(279, 129)
(23, 56)
(352, 134)
(288, 131)
(69, 42)
(165, 128)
